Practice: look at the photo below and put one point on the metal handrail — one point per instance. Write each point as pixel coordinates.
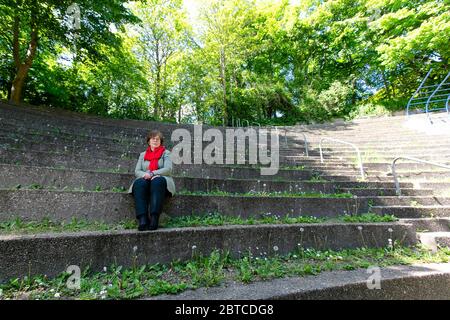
(394, 173)
(361, 168)
(427, 92)
(437, 89)
(305, 140)
(447, 105)
(432, 101)
(436, 95)
(418, 89)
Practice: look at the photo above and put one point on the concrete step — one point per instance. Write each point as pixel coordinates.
(51, 254)
(50, 141)
(433, 240)
(382, 167)
(413, 211)
(415, 282)
(429, 224)
(14, 132)
(407, 178)
(235, 181)
(374, 192)
(418, 153)
(115, 206)
(410, 201)
(413, 174)
(440, 158)
(373, 147)
(94, 150)
(440, 188)
(61, 160)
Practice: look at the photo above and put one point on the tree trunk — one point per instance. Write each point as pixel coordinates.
(224, 83)
(157, 92)
(22, 68)
(18, 83)
(386, 85)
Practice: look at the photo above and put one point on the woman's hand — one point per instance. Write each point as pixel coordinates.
(148, 176)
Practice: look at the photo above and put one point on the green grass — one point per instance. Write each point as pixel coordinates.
(46, 225)
(74, 225)
(216, 219)
(368, 218)
(36, 186)
(268, 194)
(212, 270)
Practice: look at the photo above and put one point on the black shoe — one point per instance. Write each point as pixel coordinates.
(154, 220)
(143, 223)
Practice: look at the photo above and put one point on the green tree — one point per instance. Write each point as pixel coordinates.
(28, 24)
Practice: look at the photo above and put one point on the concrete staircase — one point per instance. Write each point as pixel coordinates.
(60, 165)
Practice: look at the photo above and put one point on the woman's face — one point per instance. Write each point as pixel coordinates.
(154, 142)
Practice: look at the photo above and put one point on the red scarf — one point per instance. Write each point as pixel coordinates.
(153, 156)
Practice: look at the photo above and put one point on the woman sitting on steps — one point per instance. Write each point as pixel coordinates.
(153, 181)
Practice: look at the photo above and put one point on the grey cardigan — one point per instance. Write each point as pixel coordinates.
(164, 170)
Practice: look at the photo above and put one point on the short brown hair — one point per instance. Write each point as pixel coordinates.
(155, 133)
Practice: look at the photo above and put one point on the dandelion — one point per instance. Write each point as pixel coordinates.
(194, 247)
(360, 228)
(390, 230)
(301, 230)
(105, 269)
(275, 248)
(57, 295)
(135, 248)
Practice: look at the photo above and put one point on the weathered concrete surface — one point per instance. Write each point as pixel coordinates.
(432, 240)
(78, 160)
(411, 201)
(51, 254)
(13, 175)
(429, 224)
(115, 207)
(373, 192)
(415, 282)
(440, 188)
(413, 212)
(69, 160)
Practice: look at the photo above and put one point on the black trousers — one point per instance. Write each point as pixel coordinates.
(149, 192)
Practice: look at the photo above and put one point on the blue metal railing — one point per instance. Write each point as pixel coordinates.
(432, 97)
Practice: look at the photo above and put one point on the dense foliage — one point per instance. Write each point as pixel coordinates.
(255, 60)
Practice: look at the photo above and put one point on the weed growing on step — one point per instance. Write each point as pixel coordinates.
(76, 189)
(216, 219)
(217, 268)
(368, 218)
(19, 226)
(267, 194)
(46, 225)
